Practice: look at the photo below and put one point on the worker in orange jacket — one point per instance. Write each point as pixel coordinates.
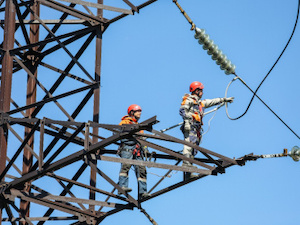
(192, 110)
(130, 148)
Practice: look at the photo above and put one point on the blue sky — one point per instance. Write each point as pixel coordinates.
(151, 58)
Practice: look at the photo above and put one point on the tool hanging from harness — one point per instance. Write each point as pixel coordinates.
(136, 150)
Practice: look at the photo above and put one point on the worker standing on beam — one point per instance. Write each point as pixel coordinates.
(191, 110)
(130, 148)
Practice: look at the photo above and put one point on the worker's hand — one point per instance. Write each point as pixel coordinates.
(187, 125)
(230, 99)
(197, 117)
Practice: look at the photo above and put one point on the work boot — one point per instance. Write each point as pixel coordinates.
(188, 176)
(145, 195)
(126, 189)
(193, 175)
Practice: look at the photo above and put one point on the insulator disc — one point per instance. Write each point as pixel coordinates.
(208, 45)
(295, 153)
(212, 50)
(216, 55)
(221, 59)
(199, 32)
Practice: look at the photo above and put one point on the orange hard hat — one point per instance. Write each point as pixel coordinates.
(196, 85)
(133, 107)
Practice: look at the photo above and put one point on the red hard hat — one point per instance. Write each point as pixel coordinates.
(195, 85)
(133, 107)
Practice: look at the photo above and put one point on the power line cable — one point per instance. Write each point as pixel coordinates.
(228, 67)
(254, 92)
(226, 106)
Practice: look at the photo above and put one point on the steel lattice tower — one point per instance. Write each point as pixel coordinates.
(38, 148)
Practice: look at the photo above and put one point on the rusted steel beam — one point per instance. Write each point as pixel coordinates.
(10, 214)
(104, 215)
(54, 218)
(67, 208)
(6, 80)
(63, 130)
(108, 197)
(41, 147)
(65, 43)
(65, 161)
(99, 6)
(65, 188)
(86, 186)
(82, 32)
(54, 98)
(56, 26)
(139, 7)
(67, 135)
(14, 166)
(166, 138)
(27, 146)
(67, 70)
(148, 216)
(180, 184)
(63, 146)
(175, 154)
(18, 151)
(24, 3)
(62, 199)
(132, 6)
(63, 123)
(20, 214)
(64, 192)
(30, 99)
(31, 84)
(64, 48)
(16, 106)
(172, 187)
(156, 156)
(25, 218)
(12, 120)
(155, 165)
(19, 15)
(163, 177)
(73, 12)
(66, 124)
(68, 74)
(224, 158)
(96, 103)
(115, 185)
(76, 157)
(34, 21)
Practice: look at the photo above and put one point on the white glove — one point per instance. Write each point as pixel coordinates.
(230, 99)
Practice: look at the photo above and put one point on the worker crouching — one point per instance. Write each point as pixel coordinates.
(130, 148)
(192, 111)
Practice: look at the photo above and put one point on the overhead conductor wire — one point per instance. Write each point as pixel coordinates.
(254, 92)
(231, 68)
